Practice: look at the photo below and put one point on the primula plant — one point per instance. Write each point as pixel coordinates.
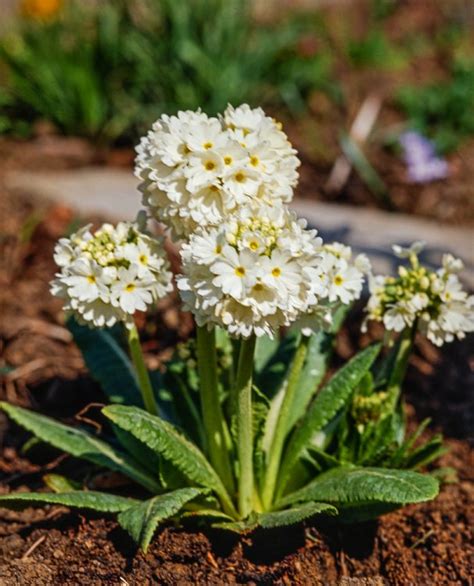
(243, 427)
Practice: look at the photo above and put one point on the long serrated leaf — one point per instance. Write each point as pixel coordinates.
(107, 363)
(165, 439)
(294, 515)
(142, 519)
(80, 444)
(317, 359)
(98, 501)
(274, 519)
(346, 487)
(330, 399)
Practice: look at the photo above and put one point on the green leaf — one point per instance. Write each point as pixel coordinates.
(330, 399)
(81, 499)
(294, 515)
(264, 350)
(350, 488)
(165, 439)
(274, 519)
(141, 520)
(272, 374)
(80, 444)
(107, 362)
(319, 352)
(58, 483)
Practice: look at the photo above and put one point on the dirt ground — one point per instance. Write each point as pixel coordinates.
(423, 544)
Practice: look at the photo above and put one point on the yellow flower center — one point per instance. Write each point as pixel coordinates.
(254, 161)
(130, 287)
(143, 259)
(210, 165)
(239, 177)
(218, 249)
(276, 272)
(338, 280)
(228, 160)
(240, 271)
(208, 145)
(91, 278)
(253, 245)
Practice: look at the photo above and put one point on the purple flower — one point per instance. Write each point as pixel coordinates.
(424, 165)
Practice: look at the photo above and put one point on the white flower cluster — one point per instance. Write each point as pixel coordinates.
(195, 170)
(108, 275)
(262, 270)
(342, 279)
(434, 300)
(253, 274)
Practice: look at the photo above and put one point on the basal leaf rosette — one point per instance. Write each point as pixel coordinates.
(432, 301)
(107, 275)
(257, 272)
(195, 170)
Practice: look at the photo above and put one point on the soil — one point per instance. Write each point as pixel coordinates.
(422, 544)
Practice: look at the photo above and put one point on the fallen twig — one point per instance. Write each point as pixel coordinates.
(32, 548)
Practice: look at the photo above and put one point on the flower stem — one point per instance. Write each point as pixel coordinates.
(281, 429)
(211, 406)
(243, 394)
(141, 370)
(400, 362)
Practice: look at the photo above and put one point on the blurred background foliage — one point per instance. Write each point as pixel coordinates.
(105, 70)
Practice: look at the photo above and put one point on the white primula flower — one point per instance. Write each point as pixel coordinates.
(129, 292)
(196, 170)
(414, 249)
(434, 302)
(337, 282)
(239, 275)
(108, 275)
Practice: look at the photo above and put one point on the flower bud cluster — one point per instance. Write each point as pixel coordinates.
(107, 275)
(434, 300)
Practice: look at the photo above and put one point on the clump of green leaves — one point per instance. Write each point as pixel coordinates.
(336, 448)
(443, 111)
(106, 71)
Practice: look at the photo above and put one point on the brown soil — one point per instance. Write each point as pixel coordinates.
(423, 544)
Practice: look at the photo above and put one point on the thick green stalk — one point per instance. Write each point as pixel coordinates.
(274, 457)
(243, 401)
(211, 406)
(141, 370)
(403, 350)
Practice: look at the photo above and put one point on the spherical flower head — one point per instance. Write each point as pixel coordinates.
(433, 301)
(340, 278)
(107, 275)
(195, 170)
(249, 275)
